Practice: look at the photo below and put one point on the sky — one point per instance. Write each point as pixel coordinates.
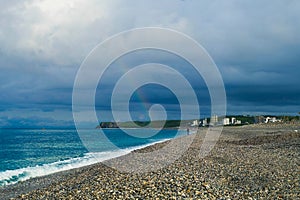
(255, 45)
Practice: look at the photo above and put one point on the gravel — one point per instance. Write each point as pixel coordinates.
(248, 162)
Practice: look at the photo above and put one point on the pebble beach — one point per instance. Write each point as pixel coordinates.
(248, 162)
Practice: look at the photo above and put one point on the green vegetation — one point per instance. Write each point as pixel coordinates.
(145, 124)
(154, 124)
(289, 118)
(244, 119)
(107, 125)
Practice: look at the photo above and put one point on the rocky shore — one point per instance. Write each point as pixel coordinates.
(248, 162)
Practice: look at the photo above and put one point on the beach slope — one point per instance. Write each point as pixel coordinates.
(255, 161)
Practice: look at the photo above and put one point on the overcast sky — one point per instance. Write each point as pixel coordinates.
(255, 44)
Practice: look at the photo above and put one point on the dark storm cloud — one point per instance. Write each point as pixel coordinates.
(34, 85)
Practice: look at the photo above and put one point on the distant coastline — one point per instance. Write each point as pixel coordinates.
(214, 120)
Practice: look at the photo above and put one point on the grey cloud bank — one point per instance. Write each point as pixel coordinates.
(255, 44)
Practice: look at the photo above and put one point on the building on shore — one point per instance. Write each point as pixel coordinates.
(195, 123)
(204, 122)
(238, 122)
(233, 120)
(262, 120)
(270, 119)
(226, 121)
(213, 120)
(259, 119)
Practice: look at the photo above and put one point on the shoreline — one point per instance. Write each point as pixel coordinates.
(232, 139)
(94, 160)
(86, 159)
(37, 182)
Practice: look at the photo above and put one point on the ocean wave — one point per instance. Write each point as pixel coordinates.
(9, 177)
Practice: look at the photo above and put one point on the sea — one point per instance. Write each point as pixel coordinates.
(28, 153)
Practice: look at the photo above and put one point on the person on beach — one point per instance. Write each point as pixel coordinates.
(188, 131)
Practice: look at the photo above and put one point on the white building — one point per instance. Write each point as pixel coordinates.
(214, 120)
(226, 121)
(270, 119)
(204, 122)
(233, 120)
(195, 123)
(238, 122)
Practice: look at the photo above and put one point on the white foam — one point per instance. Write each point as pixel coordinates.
(9, 177)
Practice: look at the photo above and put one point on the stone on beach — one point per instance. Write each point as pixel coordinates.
(248, 162)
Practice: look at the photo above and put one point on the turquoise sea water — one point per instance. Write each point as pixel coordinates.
(28, 153)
